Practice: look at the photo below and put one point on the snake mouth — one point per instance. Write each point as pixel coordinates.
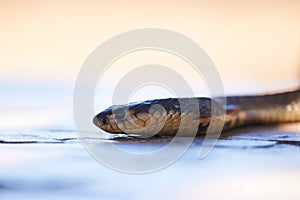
(106, 125)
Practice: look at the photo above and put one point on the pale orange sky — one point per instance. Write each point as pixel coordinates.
(249, 41)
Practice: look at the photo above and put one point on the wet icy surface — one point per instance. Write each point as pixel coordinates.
(245, 164)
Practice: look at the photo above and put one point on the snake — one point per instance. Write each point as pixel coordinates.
(166, 117)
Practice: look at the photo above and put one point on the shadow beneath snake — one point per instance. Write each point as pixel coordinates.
(281, 134)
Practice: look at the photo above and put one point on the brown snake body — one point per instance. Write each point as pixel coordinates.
(141, 119)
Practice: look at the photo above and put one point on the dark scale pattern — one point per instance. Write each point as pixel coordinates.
(240, 111)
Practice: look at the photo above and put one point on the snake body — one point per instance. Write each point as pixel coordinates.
(166, 116)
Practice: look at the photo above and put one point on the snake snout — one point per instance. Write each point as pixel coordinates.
(96, 122)
(101, 122)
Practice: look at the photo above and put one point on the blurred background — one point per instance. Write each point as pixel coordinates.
(255, 46)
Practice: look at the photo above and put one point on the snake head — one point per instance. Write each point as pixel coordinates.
(133, 118)
(152, 117)
(145, 118)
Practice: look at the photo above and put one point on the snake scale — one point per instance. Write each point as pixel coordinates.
(142, 118)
